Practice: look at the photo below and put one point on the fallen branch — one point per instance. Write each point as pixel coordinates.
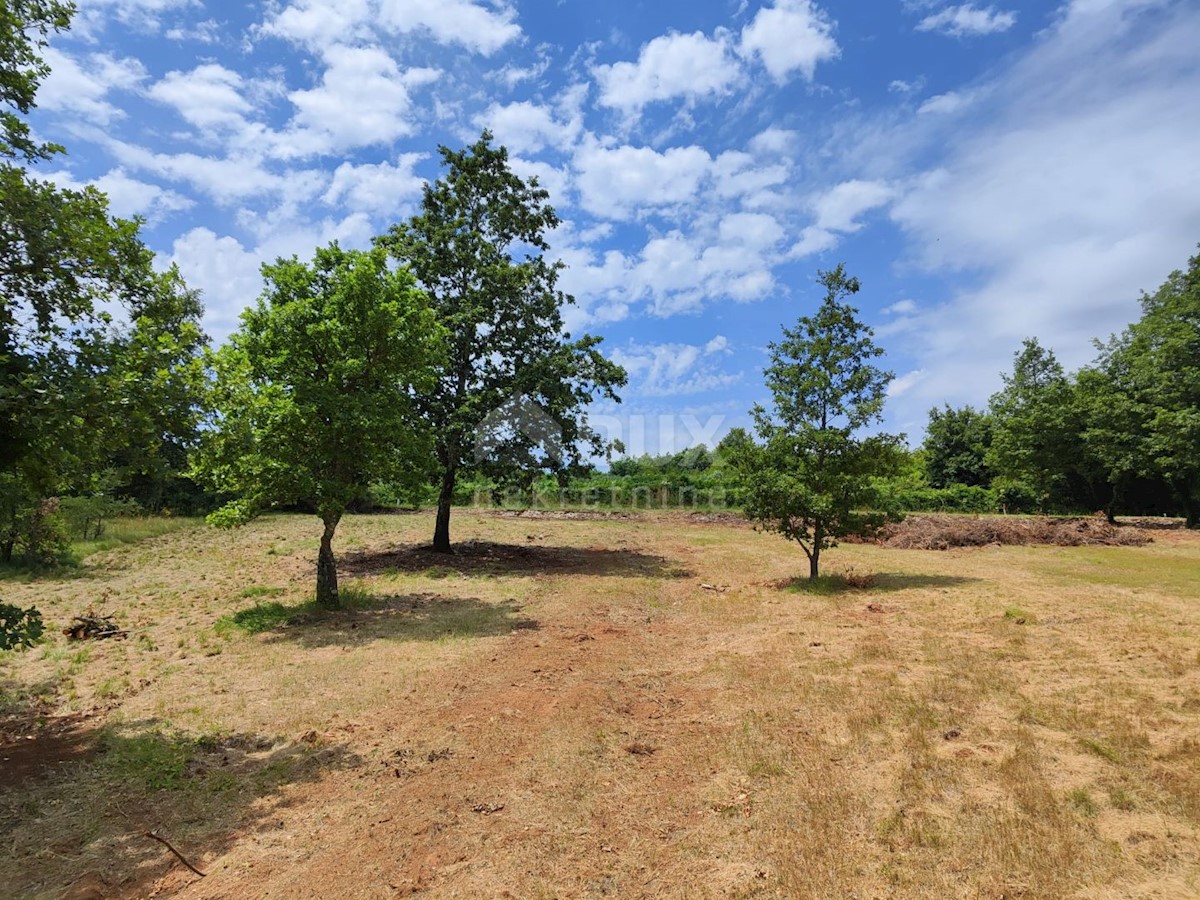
(179, 856)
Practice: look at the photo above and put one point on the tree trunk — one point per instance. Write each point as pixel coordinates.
(441, 530)
(327, 586)
(814, 564)
(1193, 513)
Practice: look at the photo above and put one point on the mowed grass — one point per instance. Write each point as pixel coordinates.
(633, 708)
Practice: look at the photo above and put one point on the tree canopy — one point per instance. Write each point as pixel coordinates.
(478, 249)
(315, 394)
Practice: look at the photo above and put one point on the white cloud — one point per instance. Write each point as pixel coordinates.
(525, 127)
(381, 188)
(791, 35)
(967, 20)
(666, 370)
(225, 272)
(693, 66)
(902, 384)
(719, 344)
(946, 104)
(617, 182)
(363, 99)
(482, 28)
(81, 85)
(901, 308)
(128, 196)
(209, 96)
(837, 211)
(145, 15)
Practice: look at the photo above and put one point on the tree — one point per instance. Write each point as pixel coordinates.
(1159, 357)
(159, 391)
(478, 247)
(810, 477)
(61, 257)
(956, 445)
(314, 394)
(1035, 432)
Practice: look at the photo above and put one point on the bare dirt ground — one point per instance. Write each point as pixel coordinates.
(638, 706)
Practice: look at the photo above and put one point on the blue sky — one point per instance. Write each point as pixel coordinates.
(988, 171)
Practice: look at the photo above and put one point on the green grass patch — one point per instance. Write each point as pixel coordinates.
(270, 616)
(1101, 749)
(1080, 800)
(260, 590)
(122, 531)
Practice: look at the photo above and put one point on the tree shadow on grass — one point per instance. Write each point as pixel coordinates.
(417, 617)
(876, 583)
(488, 558)
(82, 819)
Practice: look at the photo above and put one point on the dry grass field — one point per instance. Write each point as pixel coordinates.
(626, 707)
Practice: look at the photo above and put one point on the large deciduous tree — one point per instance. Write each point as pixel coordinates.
(478, 248)
(63, 259)
(314, 395)
(810, 476)
(1158, 361)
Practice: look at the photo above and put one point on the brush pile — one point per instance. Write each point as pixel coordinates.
(942, 532)
(91, 626)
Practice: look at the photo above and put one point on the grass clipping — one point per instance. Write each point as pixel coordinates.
(942, 532)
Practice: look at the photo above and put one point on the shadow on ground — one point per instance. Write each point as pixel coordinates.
(883, 582)
(487, 558)
(420, 617)
(79, 822)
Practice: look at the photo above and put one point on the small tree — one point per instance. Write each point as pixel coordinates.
(477, 247)
(314, 393)
(810, 478)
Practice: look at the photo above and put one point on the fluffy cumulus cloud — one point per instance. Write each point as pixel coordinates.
(838, 212)
(617, 182)
(526, 127)
(790, 36)
(691, 66)
(968, 19)
(379, 188)
(480, 27)
(209, 96)
(364, 98)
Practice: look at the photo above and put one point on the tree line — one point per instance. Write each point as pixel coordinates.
(1121, 435)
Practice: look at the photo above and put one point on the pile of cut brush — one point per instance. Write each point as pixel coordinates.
(92, 626)
(941, 532)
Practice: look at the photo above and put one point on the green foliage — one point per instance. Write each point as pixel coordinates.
(314, 394)
(1153, 371)
(19, 627)
(478, 248)
(25, 26)
(956, 446)
(1036, 432)
(812, 477)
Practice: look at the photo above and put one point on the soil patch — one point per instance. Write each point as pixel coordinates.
(32, 748)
